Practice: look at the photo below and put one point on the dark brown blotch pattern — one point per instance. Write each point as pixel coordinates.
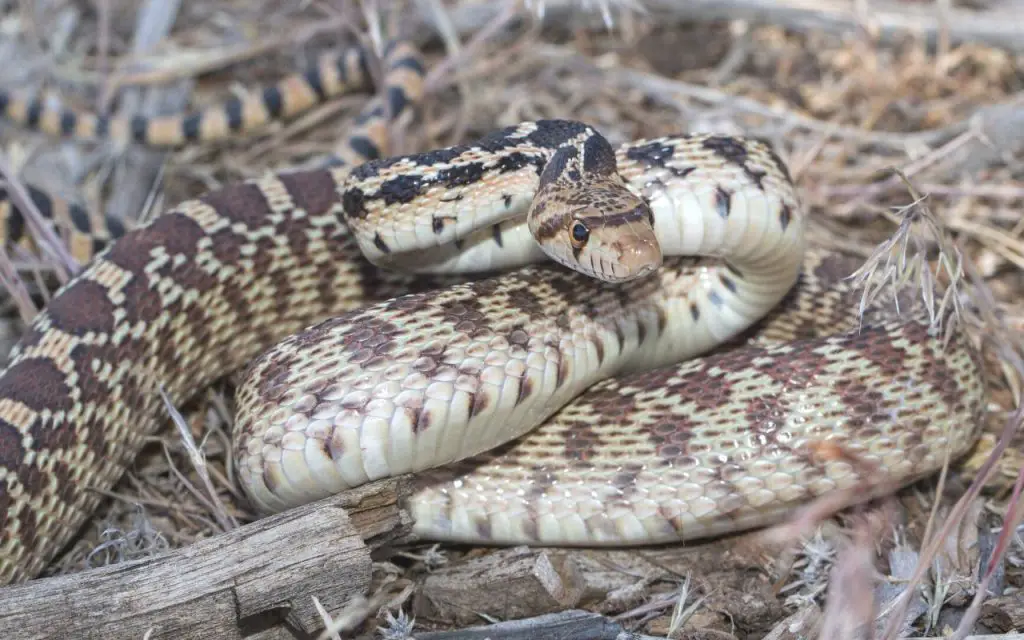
(83, 308)
(38, 384)
(11, 447)
(734, 151)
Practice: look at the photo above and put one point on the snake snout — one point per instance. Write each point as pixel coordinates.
(640, 257)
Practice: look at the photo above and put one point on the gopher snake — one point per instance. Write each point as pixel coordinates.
(408, 376)
(330, 76)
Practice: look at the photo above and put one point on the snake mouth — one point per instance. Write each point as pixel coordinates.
(637, 259)
(618, 272)
(642, 271)
(646, 270)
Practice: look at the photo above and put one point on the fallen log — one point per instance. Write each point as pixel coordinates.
(254, 581)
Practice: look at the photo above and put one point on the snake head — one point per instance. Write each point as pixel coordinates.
(606, 234)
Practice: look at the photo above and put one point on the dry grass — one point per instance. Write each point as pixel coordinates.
(846, 113)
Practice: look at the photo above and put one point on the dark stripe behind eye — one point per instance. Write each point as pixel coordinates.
(618, 219)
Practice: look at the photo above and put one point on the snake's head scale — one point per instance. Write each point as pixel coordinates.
(585, 217)
(613, 247)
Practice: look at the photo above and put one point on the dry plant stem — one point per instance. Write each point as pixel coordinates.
(998, 335)
(214, 506)
(1013, 423)
(1006, 245)
(670, 92)
(371, 14)
(36, 269)
(885, 21)
(1010, 522)
(667, 602)
(355, 612)
(139, 171)
(219, 404)
(188, 65)
(681, 615)
(998, 191)
(800, 625)
(1008, 636)
(568, 625)
(441, 74)
(913, 168)
(198, 461)
(450, 38)
(145, 497)
(306, 122)
(446, 73)
(805, 519)
(185, 64)
(446, 31)
(16, 288)
(797, 166)
(52, 249)
(955, 275)
(850, 603)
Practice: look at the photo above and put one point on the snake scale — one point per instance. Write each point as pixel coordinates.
(538, 403)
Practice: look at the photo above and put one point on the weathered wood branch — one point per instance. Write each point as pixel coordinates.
(1004, 613)
(245, 582)
(509, 583)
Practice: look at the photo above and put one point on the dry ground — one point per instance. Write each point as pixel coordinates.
(844, 108)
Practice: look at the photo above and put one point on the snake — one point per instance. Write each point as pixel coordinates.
(549, 332)
(330, 75)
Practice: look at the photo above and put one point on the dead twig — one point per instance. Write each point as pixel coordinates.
(673, 92)
(886, 21)
(50, 245)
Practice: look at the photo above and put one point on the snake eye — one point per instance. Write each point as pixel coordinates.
(580, 234)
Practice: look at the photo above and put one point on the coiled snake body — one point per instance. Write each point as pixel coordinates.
(422, 371)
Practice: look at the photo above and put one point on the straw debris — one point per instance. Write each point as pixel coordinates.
(904, 129)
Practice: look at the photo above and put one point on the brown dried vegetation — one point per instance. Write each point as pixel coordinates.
(843, 107)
